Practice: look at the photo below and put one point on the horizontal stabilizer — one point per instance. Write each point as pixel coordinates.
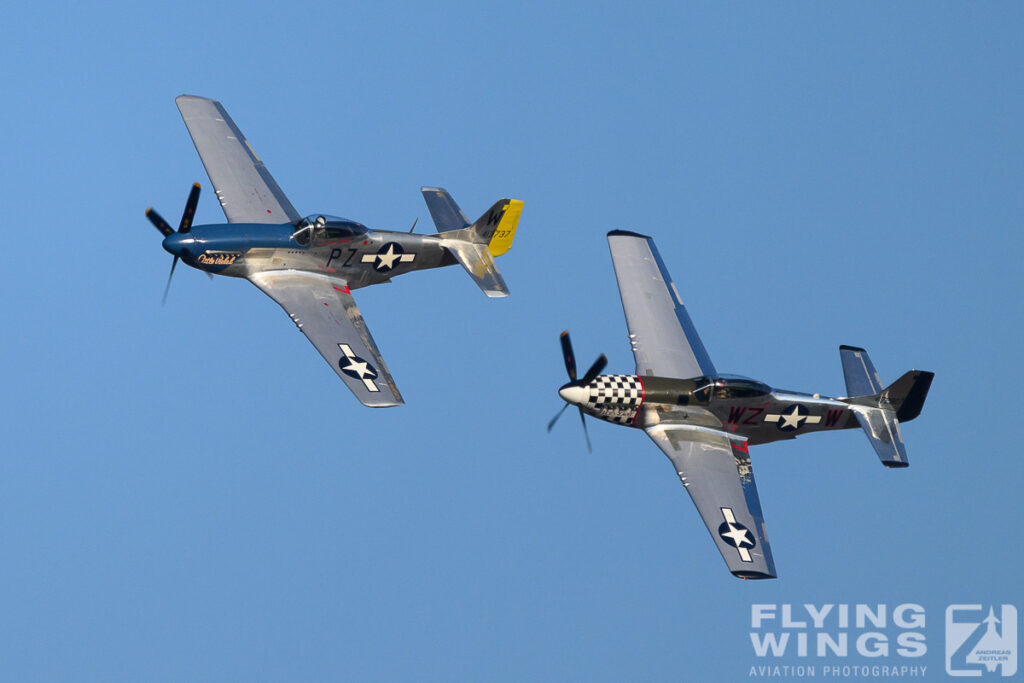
(859, 371)
(446, 213)
(883, 431)
(479, 263)
(880, 411)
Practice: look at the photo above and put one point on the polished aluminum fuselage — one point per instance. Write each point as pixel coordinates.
(373, 257)
(760, 416)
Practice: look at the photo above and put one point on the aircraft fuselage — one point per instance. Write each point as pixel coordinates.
(360, 256)
(740, 406)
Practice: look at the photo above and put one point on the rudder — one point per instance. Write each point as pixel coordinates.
(497, 227)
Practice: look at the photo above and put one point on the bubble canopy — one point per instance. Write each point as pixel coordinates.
(321, 228)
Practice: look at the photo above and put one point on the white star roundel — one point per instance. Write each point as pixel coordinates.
(357, 368)
(388, 256)
(792, 418)
(736, 535)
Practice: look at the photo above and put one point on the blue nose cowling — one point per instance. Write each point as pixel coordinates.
(178, 243)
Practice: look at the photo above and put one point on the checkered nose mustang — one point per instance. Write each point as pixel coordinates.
(310, 265)
(705, 421)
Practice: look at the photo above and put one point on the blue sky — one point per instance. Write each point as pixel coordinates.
(189, 493)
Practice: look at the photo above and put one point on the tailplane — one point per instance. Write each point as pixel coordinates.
(446, 213)
(880, 411)
(475, 245)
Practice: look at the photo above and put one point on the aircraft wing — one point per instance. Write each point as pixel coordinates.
(716, 472)
(662, 336)
(246, 190)
(324, 310)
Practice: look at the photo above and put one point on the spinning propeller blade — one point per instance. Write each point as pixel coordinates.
(157, 220)
(570, 359)
(555, 418)
(595, 369)
(570, 369)
(168, 287)
(184, 226)
(586, 435)
(190, 209)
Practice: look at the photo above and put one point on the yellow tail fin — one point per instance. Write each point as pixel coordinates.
(501, 240)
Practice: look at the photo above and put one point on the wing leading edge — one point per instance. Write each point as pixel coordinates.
(663, 338)
(245, 189)
(324, 311)
(715, 470)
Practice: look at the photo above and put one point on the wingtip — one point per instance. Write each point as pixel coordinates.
(383, 405)
(185, 100)
(846, 347)
(627, 233)
(749, 575)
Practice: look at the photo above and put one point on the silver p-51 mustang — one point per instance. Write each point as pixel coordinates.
(705, 421)
(311, 265)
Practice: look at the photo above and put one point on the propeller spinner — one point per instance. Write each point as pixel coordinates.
(573, 391)
(184, 226)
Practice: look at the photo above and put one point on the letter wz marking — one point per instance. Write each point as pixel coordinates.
(754, 414)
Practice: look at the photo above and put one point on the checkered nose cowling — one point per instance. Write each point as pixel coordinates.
(615, 398)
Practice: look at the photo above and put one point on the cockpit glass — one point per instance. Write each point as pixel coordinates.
(326, 228)
(703, 391)
(740, 388)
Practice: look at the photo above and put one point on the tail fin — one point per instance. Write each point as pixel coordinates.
(907, 394)
(880, 411)
(496, 228)
(475, 246)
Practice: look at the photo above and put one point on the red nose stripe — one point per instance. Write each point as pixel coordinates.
(643, 393)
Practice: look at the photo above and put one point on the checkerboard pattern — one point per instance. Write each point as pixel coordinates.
(615, 398)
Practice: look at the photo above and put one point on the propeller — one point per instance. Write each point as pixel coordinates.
(184, 226)
(588, 377)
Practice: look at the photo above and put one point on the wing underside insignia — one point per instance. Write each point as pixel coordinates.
(354, 366)
(715, 470)
(323, 309)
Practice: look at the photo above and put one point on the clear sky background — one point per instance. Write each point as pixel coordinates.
(189, 493)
